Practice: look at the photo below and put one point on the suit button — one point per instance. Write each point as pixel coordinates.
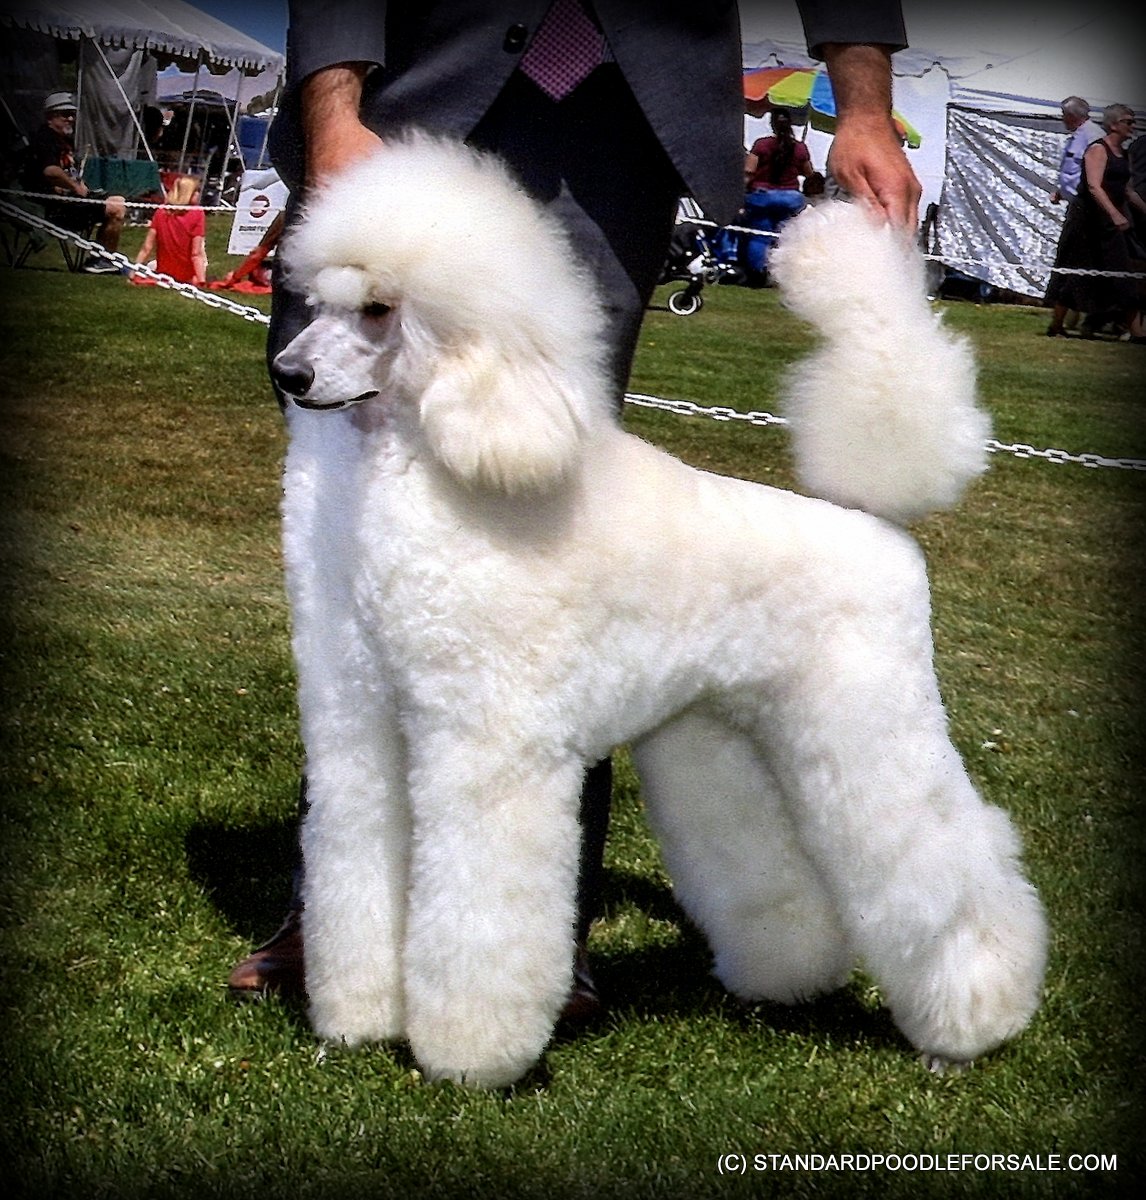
(515, 37)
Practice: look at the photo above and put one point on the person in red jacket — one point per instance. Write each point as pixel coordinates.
(176, 237)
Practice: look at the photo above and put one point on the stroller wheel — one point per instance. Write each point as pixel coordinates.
(685, 302)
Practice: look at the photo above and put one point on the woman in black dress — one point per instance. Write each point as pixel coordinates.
(1094, 235)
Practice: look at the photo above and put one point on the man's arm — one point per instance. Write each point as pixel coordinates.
(61, 182)
(332, 128)
(866, 157)
(1070, 168)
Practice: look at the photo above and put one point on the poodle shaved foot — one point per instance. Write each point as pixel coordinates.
(938, 1065)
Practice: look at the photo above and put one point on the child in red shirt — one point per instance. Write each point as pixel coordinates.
(176, 236)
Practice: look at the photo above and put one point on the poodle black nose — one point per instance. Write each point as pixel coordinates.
(293, 379)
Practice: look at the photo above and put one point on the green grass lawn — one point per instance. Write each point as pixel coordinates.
(151, 759)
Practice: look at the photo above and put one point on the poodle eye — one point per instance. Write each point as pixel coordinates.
(375, 311)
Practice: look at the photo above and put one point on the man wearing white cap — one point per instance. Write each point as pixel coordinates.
(50, 167)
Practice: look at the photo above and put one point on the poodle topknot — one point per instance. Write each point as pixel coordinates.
(485, 283)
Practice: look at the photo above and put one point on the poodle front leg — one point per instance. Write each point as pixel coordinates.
(355, 850)
(489, 940)
(356, 835)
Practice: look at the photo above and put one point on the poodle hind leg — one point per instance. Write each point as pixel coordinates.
(737, 868)
(974, 980)
(489, 944)
(925, 875)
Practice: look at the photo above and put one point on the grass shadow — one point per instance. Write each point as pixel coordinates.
(245, 873)
(675, 980)
(653, 898)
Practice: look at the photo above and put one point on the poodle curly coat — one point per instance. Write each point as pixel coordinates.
(492, 586)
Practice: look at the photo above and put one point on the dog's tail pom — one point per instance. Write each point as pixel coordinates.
(883, 414)
(888, 440)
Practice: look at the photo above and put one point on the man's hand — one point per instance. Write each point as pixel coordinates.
(866, 158)
(64, 184)
(335, 135)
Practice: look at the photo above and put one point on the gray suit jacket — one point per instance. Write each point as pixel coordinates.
(443, 62)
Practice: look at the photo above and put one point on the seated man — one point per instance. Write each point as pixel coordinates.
(50, 167)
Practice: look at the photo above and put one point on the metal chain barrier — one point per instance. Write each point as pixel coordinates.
(686, 408)
(944, 259)
(64, 199)
(680, 407)
(1021, 450)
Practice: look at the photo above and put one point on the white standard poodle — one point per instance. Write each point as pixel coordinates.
(493, 586)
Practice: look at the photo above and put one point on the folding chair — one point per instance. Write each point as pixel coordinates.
(19, 241)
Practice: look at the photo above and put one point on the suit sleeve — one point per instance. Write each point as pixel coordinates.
(878, 21)
(321, 34)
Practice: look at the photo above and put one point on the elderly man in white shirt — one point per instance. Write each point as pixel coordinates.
(1083, 131)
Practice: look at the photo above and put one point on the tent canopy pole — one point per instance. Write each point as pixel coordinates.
(267, 130)
(190, 112)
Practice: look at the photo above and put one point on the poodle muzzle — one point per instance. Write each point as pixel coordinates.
(330, 364)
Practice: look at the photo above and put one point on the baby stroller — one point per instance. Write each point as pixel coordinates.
(690, 258)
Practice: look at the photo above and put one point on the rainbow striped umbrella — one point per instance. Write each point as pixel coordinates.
(804, 87)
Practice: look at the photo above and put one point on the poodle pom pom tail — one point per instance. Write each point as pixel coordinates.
(883, 413)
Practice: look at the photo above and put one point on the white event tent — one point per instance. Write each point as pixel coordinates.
(119, 46)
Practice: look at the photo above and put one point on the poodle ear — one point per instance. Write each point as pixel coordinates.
(511, 424)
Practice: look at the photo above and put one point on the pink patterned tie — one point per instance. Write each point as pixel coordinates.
(565, 49)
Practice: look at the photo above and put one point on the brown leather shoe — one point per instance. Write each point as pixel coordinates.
(274, 967)
(584, 1003)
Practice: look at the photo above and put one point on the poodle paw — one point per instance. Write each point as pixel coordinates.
(938, 1065)
(488, 1069)
(982, 987)
(490, 1049)
(356, 1020)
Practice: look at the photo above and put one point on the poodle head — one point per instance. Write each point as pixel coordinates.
(439, 285)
